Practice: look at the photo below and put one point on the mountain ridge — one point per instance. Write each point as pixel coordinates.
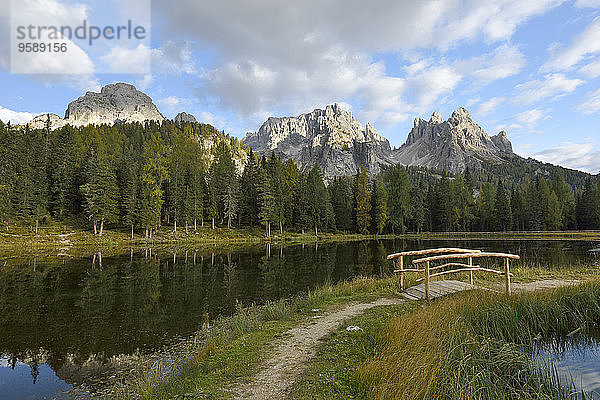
(334, 139)
(331, 137)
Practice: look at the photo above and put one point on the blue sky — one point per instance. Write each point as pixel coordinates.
(531, 68)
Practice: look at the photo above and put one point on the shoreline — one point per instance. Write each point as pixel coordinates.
(233, 350)
(59, 238)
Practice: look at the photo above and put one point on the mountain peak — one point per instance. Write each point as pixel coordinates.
(436, 118)
(453, 144)
(184, 117)
(115, 103)
(461, 114)
(330, 137)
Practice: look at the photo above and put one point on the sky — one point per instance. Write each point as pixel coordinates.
(528, 67)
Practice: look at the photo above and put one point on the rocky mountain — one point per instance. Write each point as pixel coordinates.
(184, 117)
(452, 145)
(43, 120)
(116, 103)
(332, 138)
(336, 141)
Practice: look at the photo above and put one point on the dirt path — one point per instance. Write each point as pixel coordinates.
(292, 352)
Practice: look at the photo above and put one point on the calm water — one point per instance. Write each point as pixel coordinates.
(576, 361)
(66, 322)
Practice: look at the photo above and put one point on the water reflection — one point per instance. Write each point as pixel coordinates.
(78, 319)
(576, 361)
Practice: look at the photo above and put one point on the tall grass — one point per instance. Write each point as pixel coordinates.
(477, 345)
(231, 347)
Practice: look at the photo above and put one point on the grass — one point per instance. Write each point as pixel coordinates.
(333, 372)
(231, 348)
(475, 346)
(71, 237)
(58, 237)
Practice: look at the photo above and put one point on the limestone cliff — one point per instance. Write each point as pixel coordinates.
(330, 137)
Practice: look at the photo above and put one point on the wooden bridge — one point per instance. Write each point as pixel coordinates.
(450, 258)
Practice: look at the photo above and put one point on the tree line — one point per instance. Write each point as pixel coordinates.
(189, 175)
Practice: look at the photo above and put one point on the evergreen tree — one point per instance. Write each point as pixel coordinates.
(342, 199)
(380, 200)
(154, 173)
(249, 190)
(553, 213)
(502, 209)
(566, 198)
(363, 202)
(398, 187)
(417, 207)
(268, 205)
(486, 208)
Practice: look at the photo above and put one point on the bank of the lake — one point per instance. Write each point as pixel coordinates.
(231, 349)
(74, 320)
(74, 239)
(475, 345)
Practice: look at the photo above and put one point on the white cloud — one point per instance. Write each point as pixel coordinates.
(508, 127)
(431, 84)
(73, 67)
(553, 85)
(144, 82)
(123, 60)
(173, 104)
(587, 3)
(503, 62)
(530, 118)
(591, 70)
(581, 156)
(592, 104)
(173, 57)
(489, 106)
(585, 44)
(272, 56)
(15, 117)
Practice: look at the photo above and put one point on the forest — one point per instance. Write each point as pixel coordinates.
(189, 176)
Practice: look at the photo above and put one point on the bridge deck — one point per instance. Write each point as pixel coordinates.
(437, 289)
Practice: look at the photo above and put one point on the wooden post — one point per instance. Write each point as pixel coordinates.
(507, 276)
(401, 268)
(471, 272)
(427, 280)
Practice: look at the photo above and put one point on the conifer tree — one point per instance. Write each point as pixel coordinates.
(249, 190)
(380, 200)
(502, 209)
(398, 188)
(363, 202)
(154, 172)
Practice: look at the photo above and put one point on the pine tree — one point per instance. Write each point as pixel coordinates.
(417, 207)
(129, 191)
(553, 213)
(249, 190)
(566, 198)
(363, 202)
(230, 202)
(502, 209)
(398, 187)
(380, 200)
(486, 208)
(154, 173)
(268, 206)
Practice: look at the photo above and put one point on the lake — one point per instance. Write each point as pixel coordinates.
(73, 321)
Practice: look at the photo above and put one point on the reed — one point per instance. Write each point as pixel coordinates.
(477, 346)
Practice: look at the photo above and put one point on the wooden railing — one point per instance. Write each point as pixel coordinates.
(399, 260)
(457, 254)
